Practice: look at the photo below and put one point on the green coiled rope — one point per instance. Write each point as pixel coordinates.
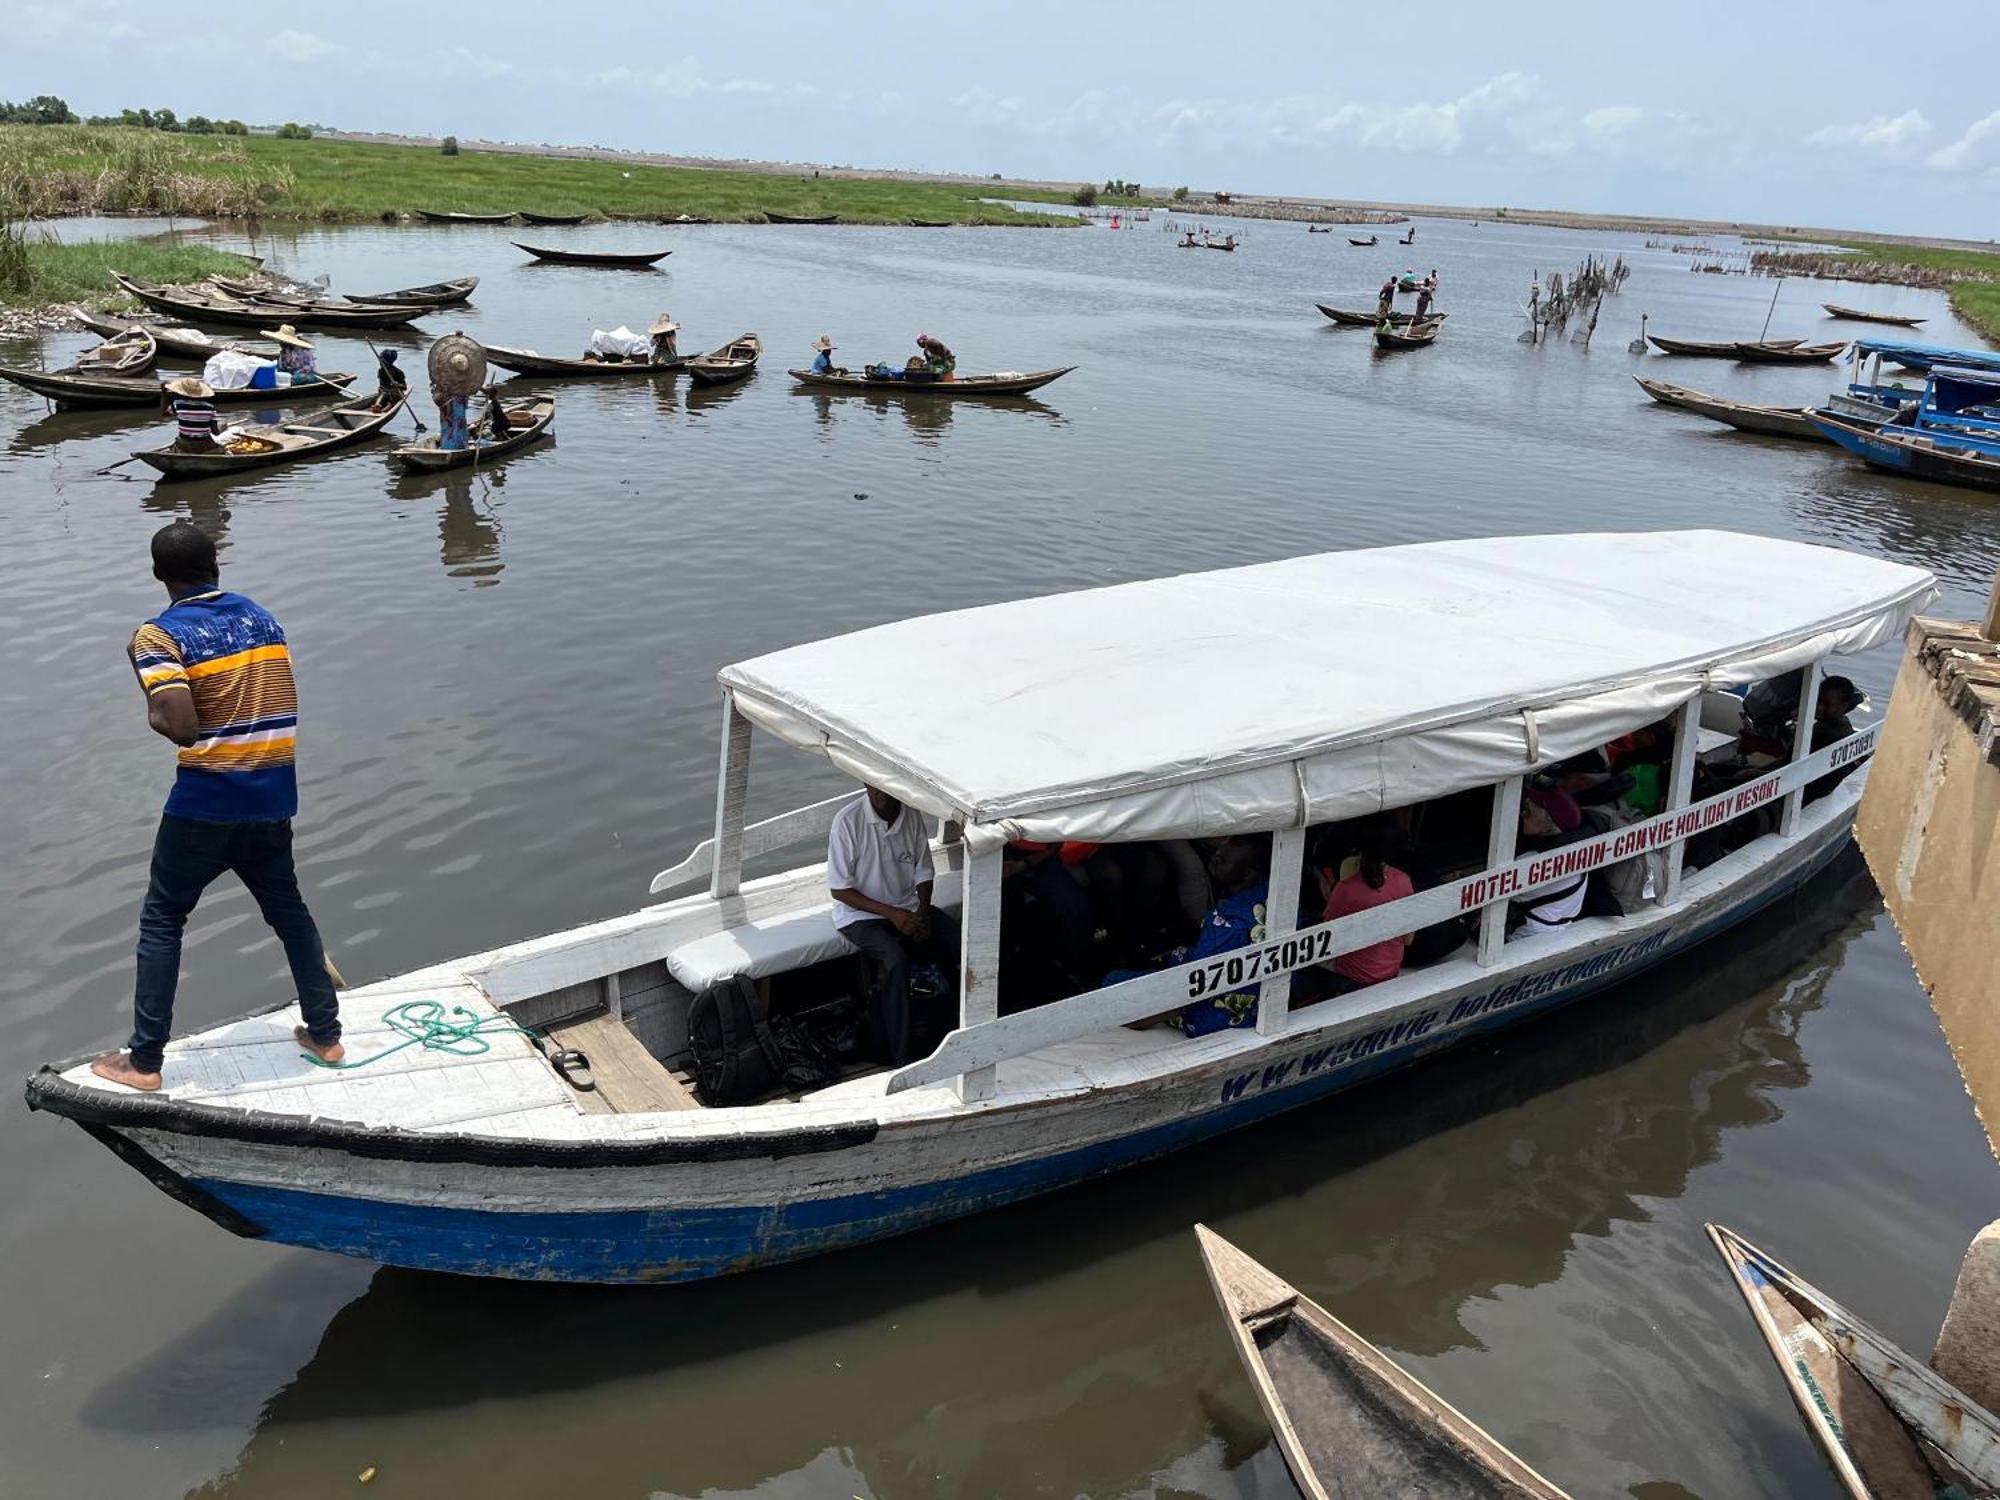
(460, 1031)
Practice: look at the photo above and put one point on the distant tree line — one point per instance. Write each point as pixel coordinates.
(1117, 187)
(47, 109)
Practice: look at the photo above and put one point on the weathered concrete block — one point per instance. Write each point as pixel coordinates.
(1968, 1347)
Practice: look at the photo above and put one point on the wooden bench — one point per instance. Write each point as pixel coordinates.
(630, 1080)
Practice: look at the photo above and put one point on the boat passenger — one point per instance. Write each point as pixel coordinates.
(1375, 882)
(392, 386)
(196, 429)
(496, 413)
(217, 676)
(1561, 904)
(454, 429)
(295, 356)
(1047, 875)
(939, 360)
(1838, 697)
(823, 356)
(879, 872)
(666, 343)
(1237, 872)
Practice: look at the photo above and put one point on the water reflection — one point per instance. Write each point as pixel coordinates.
(204, 503)
(60, 427)
(1401, 1205)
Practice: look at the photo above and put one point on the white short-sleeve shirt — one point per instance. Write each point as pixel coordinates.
(884, 861)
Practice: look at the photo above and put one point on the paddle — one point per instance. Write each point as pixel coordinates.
(405, 402)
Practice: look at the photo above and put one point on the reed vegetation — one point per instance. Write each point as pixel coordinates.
(36, 271)
(54, 170)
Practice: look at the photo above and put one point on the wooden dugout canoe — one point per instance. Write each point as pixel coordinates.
(735, 360)
(82, 392)
(1855, 315)
(1363, 244)
(1709, 350)
(1775, 421)
(453, 216)
(777, 218)
(1892, 1428)
(964, 385)
(534, 417)
(1414, 336)
(433, 294)
(1350, 1420)
(1347, 318)
(630, 260)
(551, 219)
(282, 442)
(109, 367)
(248, 313)
(527, 362)
(189, 345)
(1789, 352)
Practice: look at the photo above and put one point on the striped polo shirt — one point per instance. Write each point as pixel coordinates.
(230, 653)
(195, 419)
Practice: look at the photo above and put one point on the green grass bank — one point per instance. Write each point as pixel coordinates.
(35, 271)
(53, 170)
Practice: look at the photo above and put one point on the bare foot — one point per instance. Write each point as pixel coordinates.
(326, 1052)
(117, 1066)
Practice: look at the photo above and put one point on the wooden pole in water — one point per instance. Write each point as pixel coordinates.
(1990, 628)
(1771, 309)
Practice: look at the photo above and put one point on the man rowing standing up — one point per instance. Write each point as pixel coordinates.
(1385, 299)
(392, 386)
(217, 675)
(878, 868)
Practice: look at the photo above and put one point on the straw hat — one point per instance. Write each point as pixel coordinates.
(284, 333)
(191, 385)
(457, 365)
(823, 344)
(664, 323)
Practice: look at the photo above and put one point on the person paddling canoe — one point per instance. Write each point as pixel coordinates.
(189, 402)
(823, 357)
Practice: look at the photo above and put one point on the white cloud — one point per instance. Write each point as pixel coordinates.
(478, 64)
(1881, 133)
(300, 46)
(1978, 150)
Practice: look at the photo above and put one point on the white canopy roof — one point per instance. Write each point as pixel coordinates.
(1321, 686)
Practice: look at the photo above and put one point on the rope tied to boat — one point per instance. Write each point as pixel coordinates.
(459, 1031)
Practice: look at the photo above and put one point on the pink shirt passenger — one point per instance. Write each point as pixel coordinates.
(1378, 961)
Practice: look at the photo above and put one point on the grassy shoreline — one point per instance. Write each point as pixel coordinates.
(47, 171)
(45, 274)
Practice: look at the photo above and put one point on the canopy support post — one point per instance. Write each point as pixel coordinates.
(1500, 841)
(1788, 820)
(979, 956)
(732, 791)
(1281, 920)
(1680, 787)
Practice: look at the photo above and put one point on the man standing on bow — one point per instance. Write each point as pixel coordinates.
(217, 676)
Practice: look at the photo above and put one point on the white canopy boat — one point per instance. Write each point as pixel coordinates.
(1271, 699)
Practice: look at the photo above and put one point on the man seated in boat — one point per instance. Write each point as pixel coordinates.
(665, 334)
(939, 361)
(1562, 903)
(296, 365)
(879, 872)
(1838, 698)
(823, 357)
(392, 386)
(497, 424)
(1238, 873)
(196, 429)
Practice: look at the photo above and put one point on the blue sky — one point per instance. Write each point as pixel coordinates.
(1834, 113)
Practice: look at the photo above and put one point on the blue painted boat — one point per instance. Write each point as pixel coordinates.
(456, 1141)
(1952, 435)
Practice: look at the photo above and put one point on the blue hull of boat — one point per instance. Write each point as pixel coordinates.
(672, 1244)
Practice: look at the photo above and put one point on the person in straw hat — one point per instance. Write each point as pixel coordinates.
(823, 357)
(295, 356)
(665, 345)
(189, 401)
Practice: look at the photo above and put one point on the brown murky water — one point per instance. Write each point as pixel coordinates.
(509, 705)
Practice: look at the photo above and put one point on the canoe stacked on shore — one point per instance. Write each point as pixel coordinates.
(188, 345)
(211, 305)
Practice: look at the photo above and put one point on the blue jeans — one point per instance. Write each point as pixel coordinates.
(188, 854)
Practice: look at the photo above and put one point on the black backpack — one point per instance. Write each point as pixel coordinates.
(735, 1056)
